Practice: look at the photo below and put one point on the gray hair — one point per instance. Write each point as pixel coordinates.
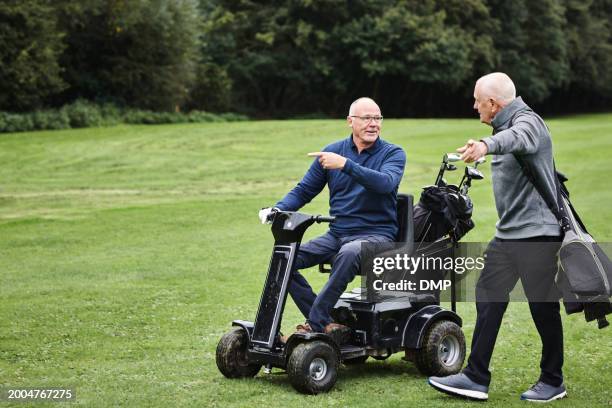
(498, 86)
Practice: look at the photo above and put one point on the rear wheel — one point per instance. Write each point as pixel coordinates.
(231, 355)
(313, 367)
(443, 350)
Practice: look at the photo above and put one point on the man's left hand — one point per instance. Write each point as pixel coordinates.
(473, 150)
(329, 160)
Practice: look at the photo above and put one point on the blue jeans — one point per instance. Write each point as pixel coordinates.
(346, 255)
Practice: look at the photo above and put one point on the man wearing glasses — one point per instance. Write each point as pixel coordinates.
(363, 173)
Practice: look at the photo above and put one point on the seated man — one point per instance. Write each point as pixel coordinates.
(363, 173)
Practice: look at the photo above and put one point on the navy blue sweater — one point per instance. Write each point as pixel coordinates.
(363, 195)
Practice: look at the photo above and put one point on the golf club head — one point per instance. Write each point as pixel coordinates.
(473, 173)
(451, 167)
(451, 157)
(480, 161)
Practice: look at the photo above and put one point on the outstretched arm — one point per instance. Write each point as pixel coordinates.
(521, 138)
(311, 184)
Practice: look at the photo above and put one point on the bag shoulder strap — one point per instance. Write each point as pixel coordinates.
(555, 205)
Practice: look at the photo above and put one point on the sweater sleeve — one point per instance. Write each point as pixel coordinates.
(521, 138)
(384, 181)
(311, 184)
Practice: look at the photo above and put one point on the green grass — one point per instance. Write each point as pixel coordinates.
(126, 252)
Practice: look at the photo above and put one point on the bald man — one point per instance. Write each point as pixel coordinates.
(525, 244)
(363, 173)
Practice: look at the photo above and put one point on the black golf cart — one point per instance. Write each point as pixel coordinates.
(381, 323)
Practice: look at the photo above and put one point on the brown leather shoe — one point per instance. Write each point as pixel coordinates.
(335, 326)
(300, 328)
(303, 328)
(338, 332)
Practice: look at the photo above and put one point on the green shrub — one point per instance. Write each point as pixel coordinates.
(2, 122)
(173, 117)
(232, 117)
(139, 117)
(83, 114)
(50, 119)
(14, 122)
(148, 117)
(111, 114)
(200, 116)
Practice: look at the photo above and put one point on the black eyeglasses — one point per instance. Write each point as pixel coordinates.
(368, 119)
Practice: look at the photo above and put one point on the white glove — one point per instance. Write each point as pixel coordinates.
(265, 212)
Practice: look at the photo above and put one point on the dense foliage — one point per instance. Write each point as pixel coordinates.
(302, 57)
(81, 113)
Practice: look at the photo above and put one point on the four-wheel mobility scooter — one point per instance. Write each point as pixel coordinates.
(381, 323)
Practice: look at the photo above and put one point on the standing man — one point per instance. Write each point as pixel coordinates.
(525, 245)
(363, 173)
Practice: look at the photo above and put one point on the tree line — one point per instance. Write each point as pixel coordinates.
(302, 57)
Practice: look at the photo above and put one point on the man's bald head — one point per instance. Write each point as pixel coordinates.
(365, 120)
(491, 94)
(362, 104)
(497, 86)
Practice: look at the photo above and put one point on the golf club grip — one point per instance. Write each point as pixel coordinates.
(323, 218)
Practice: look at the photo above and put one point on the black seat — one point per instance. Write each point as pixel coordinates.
(405, 208)
(405, 232)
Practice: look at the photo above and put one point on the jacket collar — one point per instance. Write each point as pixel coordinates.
(503, 117)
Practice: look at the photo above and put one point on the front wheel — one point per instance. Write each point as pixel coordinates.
(313, 367)
(443, 350)
(231, 355)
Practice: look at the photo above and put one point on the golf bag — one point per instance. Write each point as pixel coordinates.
(585, 271)
(442, 210)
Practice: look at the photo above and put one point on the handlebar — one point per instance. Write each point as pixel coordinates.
(323, 218)
(315, 218)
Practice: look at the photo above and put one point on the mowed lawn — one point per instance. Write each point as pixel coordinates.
(126, 252)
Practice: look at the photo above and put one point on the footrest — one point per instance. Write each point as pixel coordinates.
(350, 351)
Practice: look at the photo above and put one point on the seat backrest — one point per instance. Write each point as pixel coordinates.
(404, 218)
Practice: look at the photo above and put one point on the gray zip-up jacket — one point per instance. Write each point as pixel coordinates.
(522, 212)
